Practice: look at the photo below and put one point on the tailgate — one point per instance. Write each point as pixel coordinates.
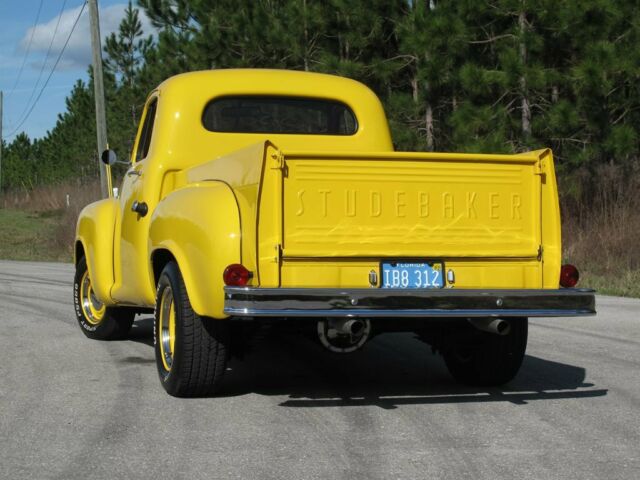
(411, 205)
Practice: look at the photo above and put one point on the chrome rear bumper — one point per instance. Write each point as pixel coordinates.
(380, 302)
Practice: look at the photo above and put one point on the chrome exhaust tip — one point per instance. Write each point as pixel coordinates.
(343, 335)
(497, 326)
(352, 327)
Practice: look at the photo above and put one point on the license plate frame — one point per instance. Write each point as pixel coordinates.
(420, 274)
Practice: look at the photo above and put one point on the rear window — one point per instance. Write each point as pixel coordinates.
(249, 114)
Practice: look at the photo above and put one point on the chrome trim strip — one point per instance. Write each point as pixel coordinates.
(430, 303)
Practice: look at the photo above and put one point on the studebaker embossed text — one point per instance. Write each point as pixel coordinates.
(400, 203)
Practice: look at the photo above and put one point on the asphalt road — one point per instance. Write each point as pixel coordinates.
(75, 408)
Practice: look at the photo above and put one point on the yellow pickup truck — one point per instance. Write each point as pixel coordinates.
(274, 198)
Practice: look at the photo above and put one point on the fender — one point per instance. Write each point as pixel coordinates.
(200, 226)
(95, 230)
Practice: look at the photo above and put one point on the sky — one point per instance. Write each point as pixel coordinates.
(24, 47)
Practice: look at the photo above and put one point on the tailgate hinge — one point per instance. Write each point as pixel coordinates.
(541, 169)
(277, 161)
(278, 254)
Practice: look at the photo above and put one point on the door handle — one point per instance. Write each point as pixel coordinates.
(131, 172)
(140, 208)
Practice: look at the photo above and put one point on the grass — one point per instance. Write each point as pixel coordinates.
(624, 284)
(30, 236)
(39, 224)
(601, 231)
(606, 250)
(601, 239)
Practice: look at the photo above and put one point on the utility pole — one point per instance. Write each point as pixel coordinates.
(98, 89)
(0, 141)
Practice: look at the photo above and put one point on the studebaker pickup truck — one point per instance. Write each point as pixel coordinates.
(265, 197)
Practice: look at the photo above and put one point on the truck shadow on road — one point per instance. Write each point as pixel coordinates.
(390, 371)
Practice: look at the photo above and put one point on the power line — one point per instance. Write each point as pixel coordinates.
(84, 4)
(26, 53)
(44, 63)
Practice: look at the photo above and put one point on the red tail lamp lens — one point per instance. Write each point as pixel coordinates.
(236, 275)
(569, 276)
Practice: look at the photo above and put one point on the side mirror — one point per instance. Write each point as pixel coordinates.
(109, 157)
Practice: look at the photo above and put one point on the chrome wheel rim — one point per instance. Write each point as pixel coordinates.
(92, 308)
(167, 327)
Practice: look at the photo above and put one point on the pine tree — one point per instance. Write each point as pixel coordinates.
(361, 38)
(126, 51)
(18, 163)
(431, 49)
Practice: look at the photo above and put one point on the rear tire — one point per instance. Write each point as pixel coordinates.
(487, 359)
(191, 351)
(96, 320)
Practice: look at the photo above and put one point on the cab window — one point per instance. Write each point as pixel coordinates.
(147, 130)
(289, 115)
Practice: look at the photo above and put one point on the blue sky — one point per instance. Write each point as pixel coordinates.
(17, 18)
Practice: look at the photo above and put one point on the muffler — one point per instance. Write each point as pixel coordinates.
(497, 326)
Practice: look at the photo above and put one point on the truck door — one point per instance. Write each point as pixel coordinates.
(137, 200)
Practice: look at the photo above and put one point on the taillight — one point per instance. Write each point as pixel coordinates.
(569, 276)
(236, 275)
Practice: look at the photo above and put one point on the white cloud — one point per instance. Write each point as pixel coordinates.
(78, 52)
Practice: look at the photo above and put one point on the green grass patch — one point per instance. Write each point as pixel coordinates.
(30, 236)
(625, 283)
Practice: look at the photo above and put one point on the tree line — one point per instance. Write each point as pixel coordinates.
(465, 75)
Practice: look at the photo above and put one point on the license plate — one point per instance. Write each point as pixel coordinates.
(412, 275)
